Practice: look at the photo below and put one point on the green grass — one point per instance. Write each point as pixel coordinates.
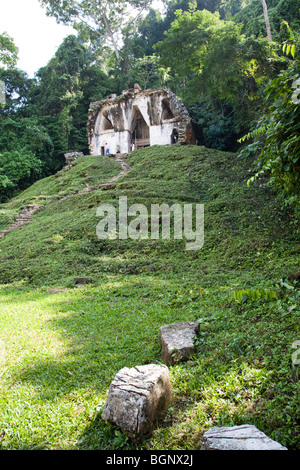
(62, 343)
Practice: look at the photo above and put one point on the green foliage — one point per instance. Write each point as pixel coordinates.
(208, 58)
(150, 30)
(214, 58)
(216, 123)
(233, 7)
(187, 41)
(8, 51)
(61, 98)
(146, 71)
(76, 338)
(17, 168)
(24, 151)
(87, 171)
(46, 117)
(96, 19)
(25, 136)
(246, 294)
(212, 63)
(276, 137)
(17, 89)
(284, 16)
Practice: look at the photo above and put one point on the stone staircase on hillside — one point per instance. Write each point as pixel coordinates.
(22, 218)
(27, 211)
(120, 158)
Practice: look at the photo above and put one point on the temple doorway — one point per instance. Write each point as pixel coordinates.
(140, 135)
(174, 136)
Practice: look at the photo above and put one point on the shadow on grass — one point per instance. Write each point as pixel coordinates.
(102, 328)
(99, 330)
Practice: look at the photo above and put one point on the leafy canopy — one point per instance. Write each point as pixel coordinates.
(276, 137)
(212, 55)
(16, 168)
(8, 51)
(98, 20)
(212, 62)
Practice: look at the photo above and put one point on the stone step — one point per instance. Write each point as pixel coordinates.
(244, 437)
(177, 341)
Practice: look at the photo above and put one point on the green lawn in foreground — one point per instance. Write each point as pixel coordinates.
(62, 344)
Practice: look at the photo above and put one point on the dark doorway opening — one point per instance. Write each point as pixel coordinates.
(106, 124)
(174, 136)
(166, 111)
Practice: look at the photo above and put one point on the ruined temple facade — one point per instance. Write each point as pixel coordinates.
(137, 119)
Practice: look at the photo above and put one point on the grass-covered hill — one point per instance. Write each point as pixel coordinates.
(62, 343)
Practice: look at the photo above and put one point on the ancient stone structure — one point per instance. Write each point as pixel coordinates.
(177, 340)
(137, 397)
(137, 119)
(244, 437)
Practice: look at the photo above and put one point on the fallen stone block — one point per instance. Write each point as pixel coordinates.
(178, 341)
(82, 280)
(70, 157)
(244, 437)
(137, 397)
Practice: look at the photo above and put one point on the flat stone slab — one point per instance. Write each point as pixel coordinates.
(82, 280)
(178, 341)
(244, 437)
(137, 397)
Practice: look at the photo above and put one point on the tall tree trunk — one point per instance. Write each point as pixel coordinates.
(103, 6)
(266, 15)
(111, 35)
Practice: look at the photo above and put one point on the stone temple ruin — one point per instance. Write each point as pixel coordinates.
(137, 119)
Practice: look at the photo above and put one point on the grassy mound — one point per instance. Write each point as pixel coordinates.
(62, 343)
(86, 172)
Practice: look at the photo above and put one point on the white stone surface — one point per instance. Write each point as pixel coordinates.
(111, 140)
(161, 135)
(244, 437)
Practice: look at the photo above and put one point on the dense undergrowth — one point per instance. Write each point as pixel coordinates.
(63, 343)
